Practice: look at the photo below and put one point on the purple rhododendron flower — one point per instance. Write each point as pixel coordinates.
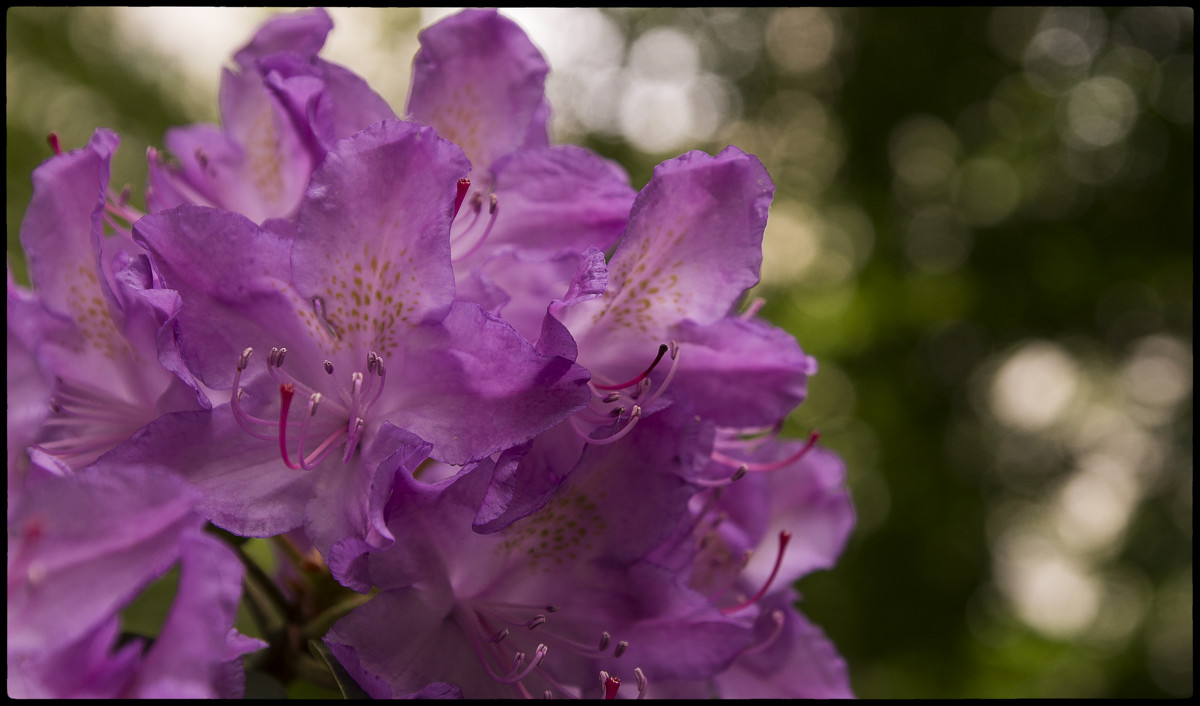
(552, 602)
(401, 341)
(359, 301)
(692, 248)
(79, 549)
(530, 210)
(282, 108)
(99, 327)
(753, 535)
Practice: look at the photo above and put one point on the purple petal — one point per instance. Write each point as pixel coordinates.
(473, 386)
(740, 373)
(373, 236)
(693, 246)
(479, 81)
(188, 657)
(303, 32)
(83, 669)
(799, 663)
(327, 102)
(247, 489)
(61, 233)
(90, 542)
(265, 168)
(590, 281)
(558, 199)
(345, 516)
(808, 499)
(232, 279)
(29, 384)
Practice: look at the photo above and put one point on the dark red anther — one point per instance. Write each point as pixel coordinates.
(464, 185)
(52, 139)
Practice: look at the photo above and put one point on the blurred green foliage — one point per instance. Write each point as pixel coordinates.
(976, 208)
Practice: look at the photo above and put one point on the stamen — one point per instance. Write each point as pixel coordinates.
(774, 466)
(514, 675)
(500, 635)
(328, 368)
(753, 308)
(784, 536)
(776, 630)
(737, 475)
(313, 400)
(382, 373)
(641, 682)
(52, 139)
(493, 211)
(318, 305)
(551, 609)
(662, 350)
(612, 397)
(319, 454)
(538, 620)
(620, 648)
(633, 419)
(604, 638)
(244, 419)
(676, 351)
(355, 433)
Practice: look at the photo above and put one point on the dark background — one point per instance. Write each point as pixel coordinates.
(983, 230)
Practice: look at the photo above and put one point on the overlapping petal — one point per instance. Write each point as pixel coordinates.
(479, 80)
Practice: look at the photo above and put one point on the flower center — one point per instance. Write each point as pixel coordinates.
(502, 638)
(86, 422)
(334, 418)
(611, 401)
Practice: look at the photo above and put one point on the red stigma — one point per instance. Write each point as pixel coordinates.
(464, 185)
(662, 350)
(611, 684)
(286, 391)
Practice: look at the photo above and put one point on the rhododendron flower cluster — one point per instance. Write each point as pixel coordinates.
(501, 413)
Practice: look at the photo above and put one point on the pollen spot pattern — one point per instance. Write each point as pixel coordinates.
(560, 532)
(645, 293)
(366, 300)
(91, 314)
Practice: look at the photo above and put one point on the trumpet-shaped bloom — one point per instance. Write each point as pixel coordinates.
(98, 319)
(531, 210)
(282, 108)
(79, 549)
(655, 326)
(692, 248)
(326, 333)
(746, 541)
(551, 603)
